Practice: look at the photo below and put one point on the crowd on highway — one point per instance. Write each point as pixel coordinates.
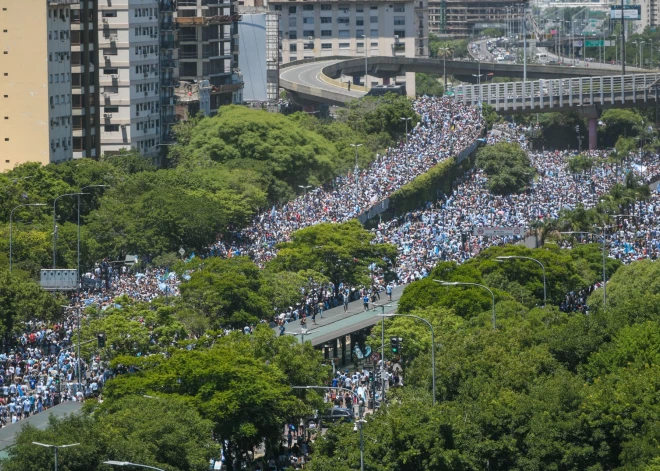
(445, 128)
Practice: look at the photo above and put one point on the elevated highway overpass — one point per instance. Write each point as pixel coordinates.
(317, 80)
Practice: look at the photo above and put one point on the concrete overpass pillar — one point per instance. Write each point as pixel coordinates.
(592, 113)
(593, 133)
(410, 84)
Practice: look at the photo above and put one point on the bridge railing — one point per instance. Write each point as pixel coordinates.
(551, 93)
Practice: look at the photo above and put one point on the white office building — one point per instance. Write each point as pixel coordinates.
(129, 76)
(370, 28)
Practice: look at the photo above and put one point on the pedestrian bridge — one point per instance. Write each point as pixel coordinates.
(563, 94)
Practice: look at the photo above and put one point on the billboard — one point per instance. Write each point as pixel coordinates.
(59, 280)
(630, 12)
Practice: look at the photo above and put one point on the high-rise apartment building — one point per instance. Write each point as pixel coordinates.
(168, 68)
(35, 82)
(84, 79)
(208, 47)
(462, 18)
(331, 28)
(129, 75)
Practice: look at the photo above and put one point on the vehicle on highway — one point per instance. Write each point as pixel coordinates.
(338, 414)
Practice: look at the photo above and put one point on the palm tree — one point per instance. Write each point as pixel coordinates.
(445, 50)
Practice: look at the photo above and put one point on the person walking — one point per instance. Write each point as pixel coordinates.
(388, 290)
(365, 300)
(345, 302)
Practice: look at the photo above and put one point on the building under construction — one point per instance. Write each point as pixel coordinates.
(464, 18)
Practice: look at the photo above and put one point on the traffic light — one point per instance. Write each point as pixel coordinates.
(101, 340)
(394, 343)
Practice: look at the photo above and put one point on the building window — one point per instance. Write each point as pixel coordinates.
(308, 7)
(110, 71)
(343, 21)
(359, 8)
(344, 45)
(308, 46)
(111, 109)
(326, 33)
(323, 46)
(326, 7)
(293, 22)
(359, 22)
(373, 33)
(359, 33)
(109, 14)
(292, 10)
(293, 48)
(344, 33)
(374, 44)
(308, 20)
(401, 33)
(373, 19)
(308, 33)
(373, 7)
(278, 7)
(326, 19)
(399, 8)
(293, 35)
(399, 20)
(111, 127)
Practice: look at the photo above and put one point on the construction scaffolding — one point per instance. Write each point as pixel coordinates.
(272, 56)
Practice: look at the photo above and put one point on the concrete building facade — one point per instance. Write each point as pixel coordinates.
(129, 76)
(84, 79)
(462, 18)
(370, 28)
(208, 48)
(35, 83)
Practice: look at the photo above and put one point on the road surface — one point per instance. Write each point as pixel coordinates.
(310, 75)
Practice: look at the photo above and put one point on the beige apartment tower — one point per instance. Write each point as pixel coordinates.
(35, 82)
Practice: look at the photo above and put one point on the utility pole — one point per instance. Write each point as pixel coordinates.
(524, 28)
(623, 42)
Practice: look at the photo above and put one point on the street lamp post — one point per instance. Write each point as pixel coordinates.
(510, 257)
(305, 187)
(382, 341)
(78, 350)
(406, 120)
(126, 463)
(55, 223)
(357, 182)
(366, 59)
(459, 283)
(302, 335)
(432, 343)
(82, 189)
(604, 272)
(360, 421)
(55, 448)
(11, 217)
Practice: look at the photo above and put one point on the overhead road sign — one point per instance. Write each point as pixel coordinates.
(630, 12)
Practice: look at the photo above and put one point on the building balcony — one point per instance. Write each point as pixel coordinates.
(167, 43)
(187, 38)
(228, 88)
(167, 82)
(188, 55)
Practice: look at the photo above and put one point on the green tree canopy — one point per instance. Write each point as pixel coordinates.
(507, 166)
(340, 252)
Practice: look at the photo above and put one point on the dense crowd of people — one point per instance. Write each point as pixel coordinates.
(42, 369)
